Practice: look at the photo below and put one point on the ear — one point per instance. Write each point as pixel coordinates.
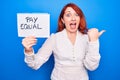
(62, 20)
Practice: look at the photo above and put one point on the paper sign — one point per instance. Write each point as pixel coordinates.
(33, 24)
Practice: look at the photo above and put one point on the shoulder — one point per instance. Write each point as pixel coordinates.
(86, 36)
(58, 34)
(55, 37)
(83, 36)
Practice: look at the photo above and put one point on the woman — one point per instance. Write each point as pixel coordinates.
(75, 48)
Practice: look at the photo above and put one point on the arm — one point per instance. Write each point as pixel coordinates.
(35, 61)
(92, 57)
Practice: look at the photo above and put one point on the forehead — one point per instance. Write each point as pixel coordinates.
(69, 9)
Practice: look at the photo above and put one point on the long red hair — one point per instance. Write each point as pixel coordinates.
(82, 26)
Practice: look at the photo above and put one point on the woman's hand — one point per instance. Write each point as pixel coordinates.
(94, 34)
(28, 42)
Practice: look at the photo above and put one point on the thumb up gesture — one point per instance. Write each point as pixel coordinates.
(94, 34)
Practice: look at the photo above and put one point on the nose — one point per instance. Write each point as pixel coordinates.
(73, 18)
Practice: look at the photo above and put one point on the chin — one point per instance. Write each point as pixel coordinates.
(73, 30)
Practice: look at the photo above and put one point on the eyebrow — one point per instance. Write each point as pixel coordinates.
(67, 11)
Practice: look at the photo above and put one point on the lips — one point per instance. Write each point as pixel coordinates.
(72, 25)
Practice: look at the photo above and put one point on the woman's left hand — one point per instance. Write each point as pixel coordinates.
(94, 34)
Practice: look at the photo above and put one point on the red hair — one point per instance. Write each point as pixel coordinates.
(82, 26)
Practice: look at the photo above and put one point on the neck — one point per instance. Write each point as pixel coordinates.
(71, 34)
(72, 37)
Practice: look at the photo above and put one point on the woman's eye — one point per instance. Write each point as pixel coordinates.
(76, 14)
(68, 15)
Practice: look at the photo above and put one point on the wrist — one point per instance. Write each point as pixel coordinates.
(29, 51)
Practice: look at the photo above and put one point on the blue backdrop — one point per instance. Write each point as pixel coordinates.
(102, 14)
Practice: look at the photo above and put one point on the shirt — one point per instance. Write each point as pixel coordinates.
(71, 61)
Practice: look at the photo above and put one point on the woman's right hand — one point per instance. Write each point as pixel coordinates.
(28, 42)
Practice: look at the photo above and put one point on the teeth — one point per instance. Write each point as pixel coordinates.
(73, 25)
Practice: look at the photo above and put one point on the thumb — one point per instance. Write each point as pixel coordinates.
(101, 32)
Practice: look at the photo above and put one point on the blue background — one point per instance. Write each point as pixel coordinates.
(102, 14)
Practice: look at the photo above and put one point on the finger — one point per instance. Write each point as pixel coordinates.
(30, 45)
(26, 42)
(93, 29)
(29, 39)
(101, 32)
(31, 42)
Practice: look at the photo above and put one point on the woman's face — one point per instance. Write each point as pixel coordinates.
(71, 20)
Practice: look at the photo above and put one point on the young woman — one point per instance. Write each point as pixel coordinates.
(75, 48)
